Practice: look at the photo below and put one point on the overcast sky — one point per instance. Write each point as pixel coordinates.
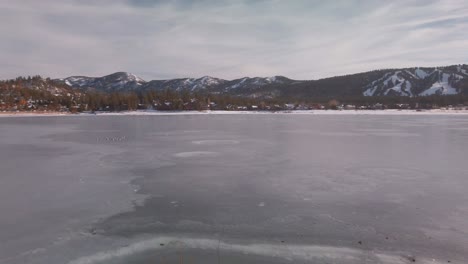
(158, 39)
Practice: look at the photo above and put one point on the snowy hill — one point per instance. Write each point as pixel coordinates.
(188, 84)
(411, 82)
(43, 86)
(122, 81)
(119, 81)
(418, 82)
(256, 82)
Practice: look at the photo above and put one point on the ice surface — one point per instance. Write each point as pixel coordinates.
(336, 187)
(196, 154)
(296, 112)
(215, 142)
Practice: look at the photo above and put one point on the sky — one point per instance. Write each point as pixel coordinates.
(300, 39)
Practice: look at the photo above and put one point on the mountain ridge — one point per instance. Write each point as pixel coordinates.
(414, 81)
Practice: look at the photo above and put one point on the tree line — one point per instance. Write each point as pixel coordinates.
(36, 93)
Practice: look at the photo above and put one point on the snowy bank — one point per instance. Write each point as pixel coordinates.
(209, 112)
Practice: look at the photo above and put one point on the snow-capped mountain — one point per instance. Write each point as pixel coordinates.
(188, 84)
(426, 81)
(122, 81)
(255, 82)
(119, 81)
(244, 85)
(418, 82)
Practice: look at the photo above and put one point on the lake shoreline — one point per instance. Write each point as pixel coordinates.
(219, 112)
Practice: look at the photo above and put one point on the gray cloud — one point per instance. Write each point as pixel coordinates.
(228, 39)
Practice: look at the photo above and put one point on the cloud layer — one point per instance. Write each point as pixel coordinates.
(301, 39)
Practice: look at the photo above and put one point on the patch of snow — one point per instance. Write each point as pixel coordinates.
(135, 78)
(237, 85)
(398, 87)
(393, 78)
(441, 87)
(434, 71)
(292, 252)
(207, 80)
(421, 74)
(79, 81)
(194, 87)
(460, 69)
(187, 81)
(408, 88)
(410, 73)
(371, 90)
(397, 83)
(458, 76)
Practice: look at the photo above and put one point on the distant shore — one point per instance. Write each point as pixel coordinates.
(218, 112)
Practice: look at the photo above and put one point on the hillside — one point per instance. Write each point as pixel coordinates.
(449, 80)
(426, 87)
(37, 93)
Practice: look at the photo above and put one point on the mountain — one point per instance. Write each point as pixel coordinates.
(37, 84)
(410, 82)
(37, 94)
(188, 84)
(116, 82)
(407, 82)
(126, 82)
(418, 81)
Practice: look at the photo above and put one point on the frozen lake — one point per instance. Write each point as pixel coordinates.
(234, 189)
